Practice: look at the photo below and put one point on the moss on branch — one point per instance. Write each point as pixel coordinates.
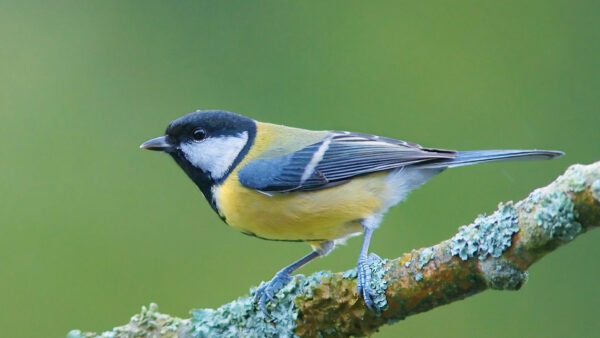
(494, 252)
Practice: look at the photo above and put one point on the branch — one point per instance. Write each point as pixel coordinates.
(493, 252)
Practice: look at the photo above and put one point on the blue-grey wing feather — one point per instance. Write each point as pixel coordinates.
(333, 161)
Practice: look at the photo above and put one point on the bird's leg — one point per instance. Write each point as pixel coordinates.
(363, 280)
(268, 290)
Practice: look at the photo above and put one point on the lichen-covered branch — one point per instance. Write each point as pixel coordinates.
(494, 251)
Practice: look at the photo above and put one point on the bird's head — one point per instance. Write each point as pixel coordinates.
(207, 144)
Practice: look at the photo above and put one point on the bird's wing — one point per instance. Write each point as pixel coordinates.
(334, 160)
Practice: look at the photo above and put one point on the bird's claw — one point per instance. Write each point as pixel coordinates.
(266, 291)
(363, 280)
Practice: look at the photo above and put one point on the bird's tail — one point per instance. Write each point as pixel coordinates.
(480, 156)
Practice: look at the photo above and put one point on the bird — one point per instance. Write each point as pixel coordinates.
(282, 183)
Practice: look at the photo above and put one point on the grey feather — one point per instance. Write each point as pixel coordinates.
(337, 158)
(480, 156)
(341, 156)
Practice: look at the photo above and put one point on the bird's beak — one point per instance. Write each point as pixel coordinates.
(159, 143)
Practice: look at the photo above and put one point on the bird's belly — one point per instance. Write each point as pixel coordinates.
(315, 215)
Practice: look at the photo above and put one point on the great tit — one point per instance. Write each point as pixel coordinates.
(320, 187)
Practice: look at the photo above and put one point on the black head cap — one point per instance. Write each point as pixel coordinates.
(197, 134)
(214, 123)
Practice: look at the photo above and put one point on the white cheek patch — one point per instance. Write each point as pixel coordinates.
(215, 155)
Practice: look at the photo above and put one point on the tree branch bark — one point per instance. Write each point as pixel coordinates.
(494, 252)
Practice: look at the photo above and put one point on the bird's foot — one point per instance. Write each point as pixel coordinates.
(363, 281)
(266, 291)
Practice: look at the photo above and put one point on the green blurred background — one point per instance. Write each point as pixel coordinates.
(92, 227)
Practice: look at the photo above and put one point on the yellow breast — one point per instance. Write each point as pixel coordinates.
(315, 215)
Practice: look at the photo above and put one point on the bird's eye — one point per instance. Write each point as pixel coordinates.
(199, 134)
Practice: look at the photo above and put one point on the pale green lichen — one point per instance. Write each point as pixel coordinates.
(531, 201)
(75, 334)
(487, 235)
(242, 318)
(557, 216)
(418, 276)
(350, 274)
(425, 256)
(596, 190)
(575, 179)
(149, 322)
